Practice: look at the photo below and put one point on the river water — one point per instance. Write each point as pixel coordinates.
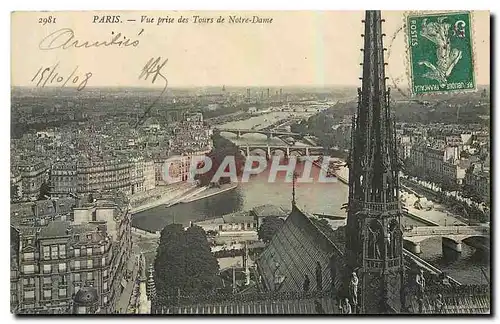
(324, 198)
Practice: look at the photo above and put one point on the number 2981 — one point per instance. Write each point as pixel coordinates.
(47, 20)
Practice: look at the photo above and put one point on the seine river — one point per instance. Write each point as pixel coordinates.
(324, 198)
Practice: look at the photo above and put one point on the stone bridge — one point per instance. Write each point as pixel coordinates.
(268, 133)
(287, 150)
(452, 237)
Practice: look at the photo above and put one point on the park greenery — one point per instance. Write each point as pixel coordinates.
(270, 226)
(184, 264)
(221, 149)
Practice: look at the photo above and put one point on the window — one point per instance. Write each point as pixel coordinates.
(63, 280)
(62, 251)
(76, 277)
(89, 251)
(29, 268)
(105, 285)
(77, 265)
(47, 293)
(102, 248)
(90, 276)
(103, 262)
(62, 292)
(105, 300)
(29, 256)
(105, 273)
(29, 294)
(47, 268)
(81, 309)
(54, 252)
(46, 252)
(77, 252)
(62, 267)
(47, 280)
(89, 264)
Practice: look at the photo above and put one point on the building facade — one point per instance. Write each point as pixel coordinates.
(33, 175)
(57, 260)
(129, 176)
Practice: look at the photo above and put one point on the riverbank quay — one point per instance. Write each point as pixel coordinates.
(209, 192)
(159, 196)
(437, 216)
(445, 202)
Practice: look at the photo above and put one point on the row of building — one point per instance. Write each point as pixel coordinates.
(450, 165)
(65, 265)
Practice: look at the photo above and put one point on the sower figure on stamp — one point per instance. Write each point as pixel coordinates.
(446, 57)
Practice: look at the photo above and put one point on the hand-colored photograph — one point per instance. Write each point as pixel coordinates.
(333, 163)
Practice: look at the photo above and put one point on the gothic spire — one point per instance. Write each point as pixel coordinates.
(374, 155)
(374, 237)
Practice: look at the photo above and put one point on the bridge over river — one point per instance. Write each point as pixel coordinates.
(268, 132)
(287, 150)
(452, 237)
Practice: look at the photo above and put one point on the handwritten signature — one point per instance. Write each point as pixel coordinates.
(153, 69)
(64, 38)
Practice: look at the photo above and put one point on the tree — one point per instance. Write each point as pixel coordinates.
(184, 263)
(270, 225)
(201, 265)
(170, 261)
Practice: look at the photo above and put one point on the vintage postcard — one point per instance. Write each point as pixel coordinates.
(252, 162)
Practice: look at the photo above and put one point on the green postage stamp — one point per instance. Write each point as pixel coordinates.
(441, 55)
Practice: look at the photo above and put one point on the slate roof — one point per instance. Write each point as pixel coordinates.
(295, 250)
(55, 229)
(268, 210)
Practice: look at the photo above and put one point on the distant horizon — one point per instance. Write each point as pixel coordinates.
(309, 86)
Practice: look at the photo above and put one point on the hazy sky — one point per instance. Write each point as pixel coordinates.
(297, 48)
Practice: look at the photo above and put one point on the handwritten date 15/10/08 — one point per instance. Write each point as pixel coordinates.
(51, 76)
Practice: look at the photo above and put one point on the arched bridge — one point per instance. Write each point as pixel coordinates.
(452, 237)
(268, 133)
(287, 150)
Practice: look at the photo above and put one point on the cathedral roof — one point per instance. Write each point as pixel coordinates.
(294, 252)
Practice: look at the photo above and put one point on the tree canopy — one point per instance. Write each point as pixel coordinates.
(184, 263)
(270, 225)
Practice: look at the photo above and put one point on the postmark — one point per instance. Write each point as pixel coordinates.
(440, 52)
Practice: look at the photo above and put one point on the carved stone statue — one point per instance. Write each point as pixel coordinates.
(353, 289)
(420, 281)
(439, 304)
(306, 284)
(319, 277)
(374, 240)
(345, 307)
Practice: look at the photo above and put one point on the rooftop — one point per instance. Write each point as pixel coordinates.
(55, 229)
(269, 210)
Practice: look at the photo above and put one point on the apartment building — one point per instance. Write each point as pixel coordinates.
(57, 260)
(127, 175)
(33, 174)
